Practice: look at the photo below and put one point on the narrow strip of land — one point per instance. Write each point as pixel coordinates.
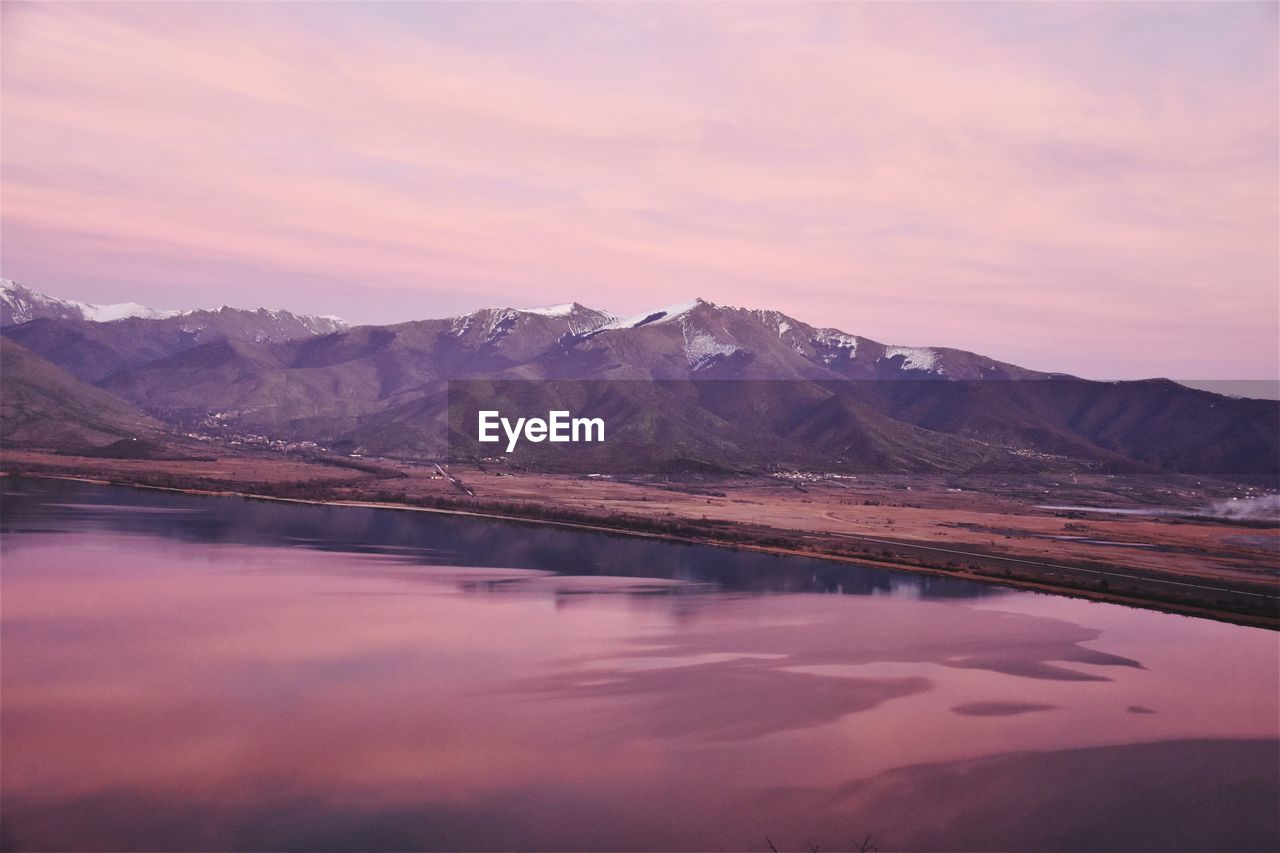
(1205, 567)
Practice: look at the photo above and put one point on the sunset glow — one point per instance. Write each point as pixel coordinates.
(1080, 187)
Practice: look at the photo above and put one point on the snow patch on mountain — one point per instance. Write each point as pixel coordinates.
(460, 325)
(653, 318)
(914, 358)
(121, 311)
(499, 323)
(493, 323)
(565, 309)
(496, 323)
(834, 344)
(580, 319)
(703, 350)
(780, 322)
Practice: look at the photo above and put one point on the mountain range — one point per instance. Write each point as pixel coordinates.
(672, 380)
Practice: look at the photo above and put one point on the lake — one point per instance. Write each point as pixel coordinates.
(195, 673)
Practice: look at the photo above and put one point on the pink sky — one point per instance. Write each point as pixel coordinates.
(1090, 188)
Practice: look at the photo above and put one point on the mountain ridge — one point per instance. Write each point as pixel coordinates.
(20, 304)
(819, 396)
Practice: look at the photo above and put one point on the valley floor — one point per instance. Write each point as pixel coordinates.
(1000, 530)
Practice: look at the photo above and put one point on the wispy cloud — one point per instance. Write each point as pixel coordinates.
(1086, 187)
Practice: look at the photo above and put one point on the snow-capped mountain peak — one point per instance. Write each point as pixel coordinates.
(21, 304)
(660, 315)
(562, 310)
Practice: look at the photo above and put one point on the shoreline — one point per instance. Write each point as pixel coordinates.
(1253, 620)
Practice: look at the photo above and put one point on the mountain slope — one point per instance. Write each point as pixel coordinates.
(46, 407)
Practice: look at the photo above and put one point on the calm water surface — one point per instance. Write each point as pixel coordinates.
(204, 673)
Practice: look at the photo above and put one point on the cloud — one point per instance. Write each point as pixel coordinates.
(955, 175)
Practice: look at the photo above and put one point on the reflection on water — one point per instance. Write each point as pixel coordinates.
(175, 678)
(437, 539)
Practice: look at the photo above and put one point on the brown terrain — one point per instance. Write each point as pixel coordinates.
(991, 529)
